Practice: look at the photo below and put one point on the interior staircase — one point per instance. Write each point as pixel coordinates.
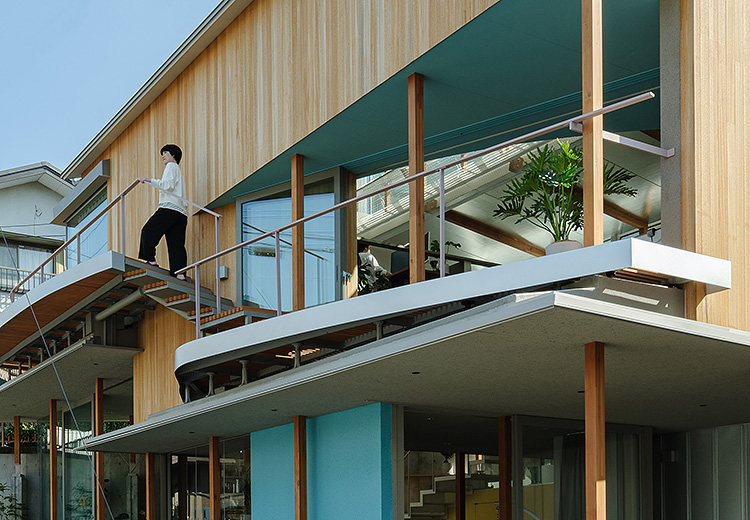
(435, 502)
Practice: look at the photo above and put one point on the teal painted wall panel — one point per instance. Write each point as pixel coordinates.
(272, 473)
(349, 464)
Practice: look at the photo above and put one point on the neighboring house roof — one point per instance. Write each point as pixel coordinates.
(212, 26)
(42, 172)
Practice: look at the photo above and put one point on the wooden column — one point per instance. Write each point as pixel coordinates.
(505, 511)
(300, 467)
(214, 478)
(460, 486)
(53, 460)
(298, 232)
(596, 490)
(416, 188)
(150, 486)
(17, 443)
(98, 456)
(351, 236)
(593, 150)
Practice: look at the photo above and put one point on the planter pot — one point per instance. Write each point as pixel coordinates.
(561, 246)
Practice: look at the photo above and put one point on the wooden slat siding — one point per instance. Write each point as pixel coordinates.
(505, 470)
(489, 231)
(49, 308)
(17, 443)
(416, 188)
(593, 147)
(298, 232)
(300, 467)
(239, 104)
(154, 385)
(714, 53)
(594, 416)
(214, 477)
(460, 486)
(99, 456)
(53, 491)
(150, 486)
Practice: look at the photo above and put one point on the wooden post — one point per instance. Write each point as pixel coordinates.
(98, 456)
(150, 486)
(593, 148)
(460, 486)
(416, 188)
(214, 478)
(596, 491)
(17, 443)
(300, 467)
(351, 236)
(53, 459)
(298, 232)
(505, 511)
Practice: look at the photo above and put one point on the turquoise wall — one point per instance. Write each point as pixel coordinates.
(272, 473)
(349, 468)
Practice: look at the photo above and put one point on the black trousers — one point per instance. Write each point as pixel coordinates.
(165, 223)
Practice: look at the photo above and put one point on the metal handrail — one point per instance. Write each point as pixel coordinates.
(119, 198)
(441, 168)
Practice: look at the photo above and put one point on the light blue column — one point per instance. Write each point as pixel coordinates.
(272, 473)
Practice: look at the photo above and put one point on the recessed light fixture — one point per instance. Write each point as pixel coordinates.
(581, 391)
(191, 432)
(274, 410)
(701, 405)
(416, 373)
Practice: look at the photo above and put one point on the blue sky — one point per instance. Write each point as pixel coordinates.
(67, 67)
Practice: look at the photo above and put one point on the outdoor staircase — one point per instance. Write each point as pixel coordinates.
(435, 502)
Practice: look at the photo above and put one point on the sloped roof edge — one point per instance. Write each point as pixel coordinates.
(201, 37)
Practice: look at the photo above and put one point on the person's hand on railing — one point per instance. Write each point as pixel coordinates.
(142, 179)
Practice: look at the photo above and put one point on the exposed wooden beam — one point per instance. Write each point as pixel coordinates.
(150, 486)
(623, 215)
(460, 486)
(596, 487)
(505, 501)
(416, 188)
(99, 456)
(300, 467)
(298, 232)
(593, 148)
(484, 229)
(53, 491)
(214, 478)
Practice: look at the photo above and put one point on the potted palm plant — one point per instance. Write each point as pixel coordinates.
(548, 194)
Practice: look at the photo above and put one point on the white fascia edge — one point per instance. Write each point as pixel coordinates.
(679, 265)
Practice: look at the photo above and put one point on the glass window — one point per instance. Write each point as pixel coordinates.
(259, 259)
(8, 256)
(94, 239)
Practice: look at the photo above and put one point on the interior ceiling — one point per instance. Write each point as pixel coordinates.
(516, 65)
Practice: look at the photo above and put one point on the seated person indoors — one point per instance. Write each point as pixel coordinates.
(371, 268)
(171, 217)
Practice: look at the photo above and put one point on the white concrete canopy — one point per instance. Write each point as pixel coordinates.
(28, 395)
(522, 354)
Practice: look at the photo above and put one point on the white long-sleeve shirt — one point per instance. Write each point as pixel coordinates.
(173, 182)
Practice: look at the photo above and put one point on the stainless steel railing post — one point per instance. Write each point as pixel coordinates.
(218, 288)
(442, 223)
(197, 303)
(278, 275)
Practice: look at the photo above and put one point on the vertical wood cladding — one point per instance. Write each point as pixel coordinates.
(715, 73)
(154, 385)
